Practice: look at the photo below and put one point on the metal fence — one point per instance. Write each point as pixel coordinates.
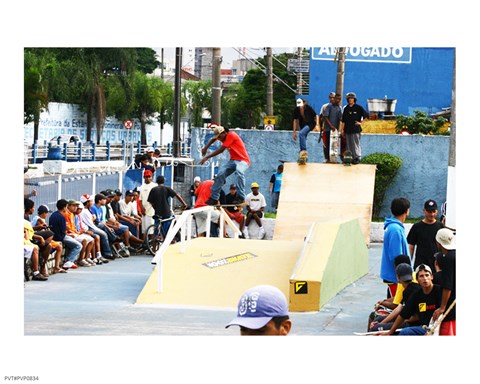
(178, 173)
(89, 151)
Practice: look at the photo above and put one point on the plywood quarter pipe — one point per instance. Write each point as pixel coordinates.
(324, 193)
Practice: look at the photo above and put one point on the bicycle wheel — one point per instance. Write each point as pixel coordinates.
(153, 241)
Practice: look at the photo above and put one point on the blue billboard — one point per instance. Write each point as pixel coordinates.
(418, 78)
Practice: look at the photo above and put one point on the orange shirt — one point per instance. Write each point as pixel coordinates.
(70, 218)
(203, 193)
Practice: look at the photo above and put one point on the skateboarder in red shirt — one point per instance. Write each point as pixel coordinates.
(238, 163)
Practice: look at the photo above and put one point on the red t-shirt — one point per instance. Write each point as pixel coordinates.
(236, 147)
(203, 193)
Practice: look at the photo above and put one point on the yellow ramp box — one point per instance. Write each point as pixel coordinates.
(334, 255)
(322, 193)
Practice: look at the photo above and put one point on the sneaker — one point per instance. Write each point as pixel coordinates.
(133, 249)
(97, 261)
(90, 261)
(261, 233)
(115, 253)
(211, 202)
(39, 277)
(103, 260)
(245, 233)
(125, 252)
(69, 264)
(83, 263)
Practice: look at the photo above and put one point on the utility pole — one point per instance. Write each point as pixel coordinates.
(340, 72)
(269, 82)
(452, 162)
(216, 87)
(299, 74)
(176, 113)
(162, 111)
(450, 217)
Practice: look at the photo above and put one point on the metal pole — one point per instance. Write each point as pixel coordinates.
(216, 87)
(340, 72)
(162, 111)
(453, 116)
(299, 74)
(269, 83)
(176, 116)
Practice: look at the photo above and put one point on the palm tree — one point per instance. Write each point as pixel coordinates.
(35, 85)
(151, 95)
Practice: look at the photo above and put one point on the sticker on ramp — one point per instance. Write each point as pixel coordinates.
(229, 260)
(301, 287)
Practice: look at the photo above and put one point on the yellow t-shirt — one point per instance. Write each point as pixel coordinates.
(399, 294)
(28, 226)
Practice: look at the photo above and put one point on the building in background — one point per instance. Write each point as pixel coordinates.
(417, 78)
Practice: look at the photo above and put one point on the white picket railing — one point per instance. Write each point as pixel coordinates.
(184, 225)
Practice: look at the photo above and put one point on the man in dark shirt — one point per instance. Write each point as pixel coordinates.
(58, 225)
(158, 197)
(353, 117)
(446, 243)
(235, 212)
(422, 304)
(422, 236)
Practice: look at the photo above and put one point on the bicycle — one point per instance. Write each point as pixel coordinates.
(155, 234)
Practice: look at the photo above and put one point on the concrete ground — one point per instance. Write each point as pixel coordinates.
(100, 300)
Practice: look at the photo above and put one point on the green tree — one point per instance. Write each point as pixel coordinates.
(250, 100)
(199, 96)
(147, 60)
(87, 70)
(151, 95)
(284, 83)
(41, 81)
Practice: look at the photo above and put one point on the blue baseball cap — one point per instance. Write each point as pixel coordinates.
(258, 305)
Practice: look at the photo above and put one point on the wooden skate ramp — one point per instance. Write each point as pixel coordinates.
(322, 193)
(215, 272)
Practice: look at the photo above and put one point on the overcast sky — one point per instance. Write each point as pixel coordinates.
(228, 53)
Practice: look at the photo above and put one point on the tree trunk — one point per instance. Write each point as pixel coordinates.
(89, 118)
(143, 129)
(101, 107)
(36, 125)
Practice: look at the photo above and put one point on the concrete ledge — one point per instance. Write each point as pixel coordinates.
(376, 231)
(61, 166)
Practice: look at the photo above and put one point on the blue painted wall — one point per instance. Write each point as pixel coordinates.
(421, 80)
(422, 176)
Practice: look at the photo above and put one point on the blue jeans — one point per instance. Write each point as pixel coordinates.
(302, 136)
(165, 224)
(237, 166)
(413, 331)
(73, 248)
(104, 244)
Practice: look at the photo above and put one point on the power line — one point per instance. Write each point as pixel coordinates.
(262, 67)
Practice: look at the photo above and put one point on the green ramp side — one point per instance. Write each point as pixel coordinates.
(334, 255)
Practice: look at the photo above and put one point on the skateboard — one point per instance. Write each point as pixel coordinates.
(302, 157)
(374, 332)
(334, 146)
(347, 158)
(231, 205)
